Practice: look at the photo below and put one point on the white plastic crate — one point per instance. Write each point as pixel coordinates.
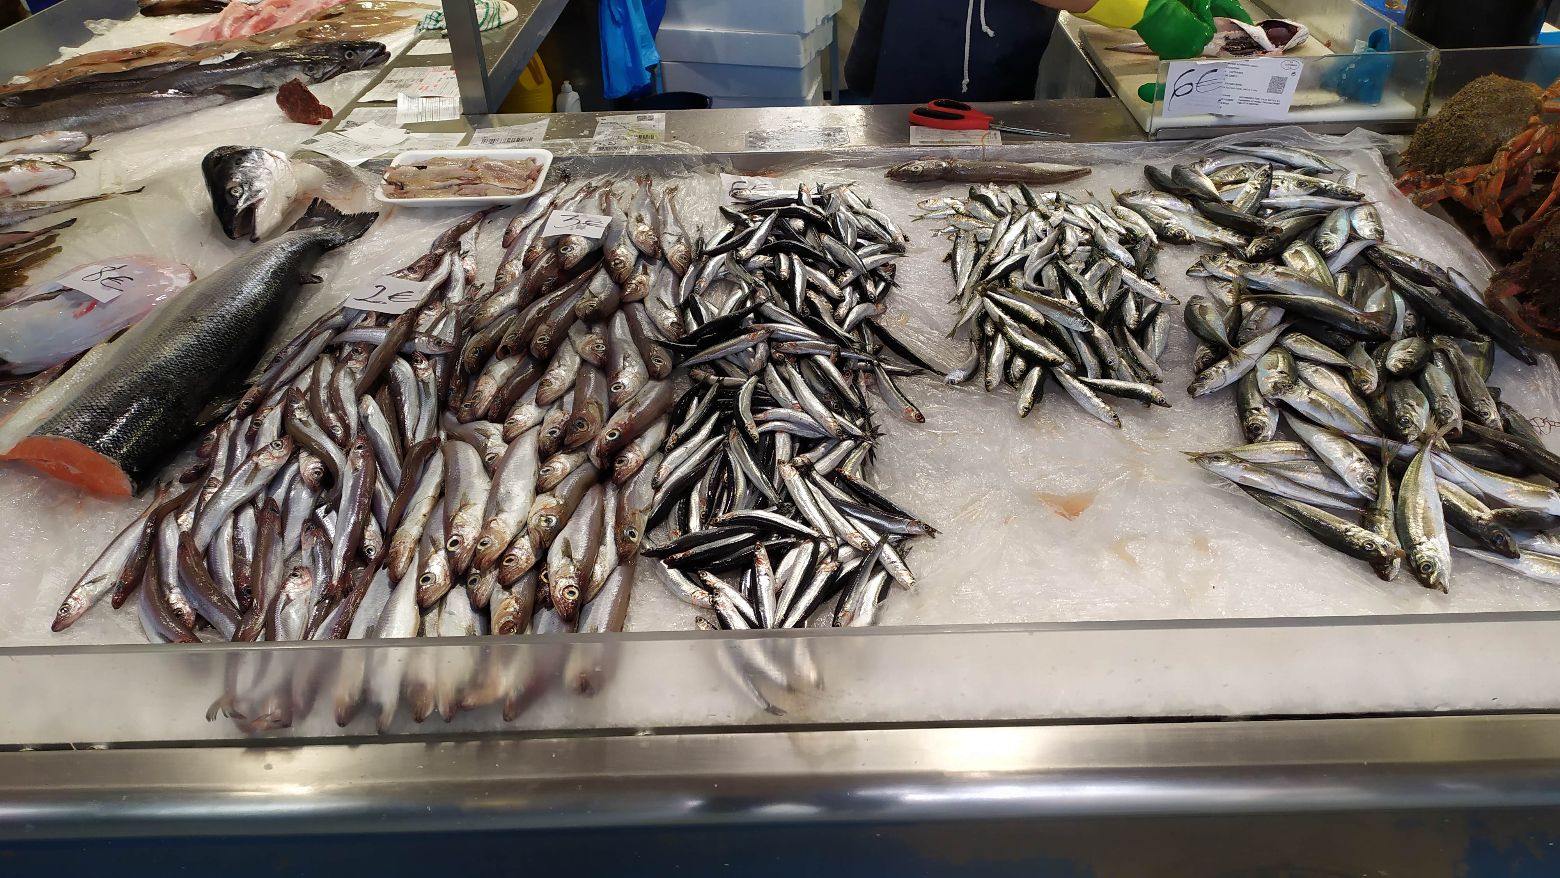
(813, 98)
(739, 80)
(704, 45)
(767, 16)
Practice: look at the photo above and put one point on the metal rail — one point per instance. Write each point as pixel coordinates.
(484, 85)
(919, 774)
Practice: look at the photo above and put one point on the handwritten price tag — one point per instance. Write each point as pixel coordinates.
(104, 281)
(586, 225)
(1256, 88)
(388, 295)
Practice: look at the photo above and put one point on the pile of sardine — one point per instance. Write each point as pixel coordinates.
(1050, 286)
(466, 467)
(764, 476)
(1375, 359)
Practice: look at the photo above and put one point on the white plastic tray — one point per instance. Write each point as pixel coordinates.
(541, 155)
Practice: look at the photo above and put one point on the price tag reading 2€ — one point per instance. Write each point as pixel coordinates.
(388, 295)
(567, 222)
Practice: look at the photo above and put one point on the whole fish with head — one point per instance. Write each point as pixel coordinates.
(969, 171)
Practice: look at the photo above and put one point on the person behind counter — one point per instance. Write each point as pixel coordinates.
(912, 51)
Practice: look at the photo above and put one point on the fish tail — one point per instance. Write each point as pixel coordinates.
(341, 227)
(340, 179)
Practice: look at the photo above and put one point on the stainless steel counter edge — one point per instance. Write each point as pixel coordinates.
(788, 777)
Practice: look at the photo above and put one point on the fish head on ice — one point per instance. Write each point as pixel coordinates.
(251, 189)
(918, 171)
(318, 63)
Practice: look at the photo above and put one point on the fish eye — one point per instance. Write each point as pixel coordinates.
(484, 542)
(235, 191)
(549, 520)
(571, 594)
(631, 532)
(426, 579)
(454, 543)
(509, 559)
(1427, 567)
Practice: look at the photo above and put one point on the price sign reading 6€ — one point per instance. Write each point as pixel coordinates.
(388, 295)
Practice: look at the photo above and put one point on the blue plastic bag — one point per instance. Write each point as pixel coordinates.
(627, 45)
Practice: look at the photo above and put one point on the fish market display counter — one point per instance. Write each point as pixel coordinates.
(1109, 664)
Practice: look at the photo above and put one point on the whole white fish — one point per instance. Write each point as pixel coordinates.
(50, 322)
(48, 141)
(25, 175)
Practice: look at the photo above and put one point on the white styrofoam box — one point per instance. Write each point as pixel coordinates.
(769, 16)
(715, 46)
(813, 98)
(738, 80)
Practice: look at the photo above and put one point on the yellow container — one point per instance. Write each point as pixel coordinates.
(533, 91)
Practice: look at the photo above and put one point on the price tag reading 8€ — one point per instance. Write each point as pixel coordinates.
(388, 295)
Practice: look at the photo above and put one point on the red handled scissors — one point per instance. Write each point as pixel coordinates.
(958, 116)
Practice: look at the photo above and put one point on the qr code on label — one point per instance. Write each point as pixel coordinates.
(1277, 84)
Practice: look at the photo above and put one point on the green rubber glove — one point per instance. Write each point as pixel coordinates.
(1175, 30)
(1170, 27)
(1230, 9)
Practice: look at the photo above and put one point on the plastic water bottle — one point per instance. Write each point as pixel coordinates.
(568, 99)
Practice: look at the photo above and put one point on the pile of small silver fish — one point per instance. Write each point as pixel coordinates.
(764, 476)
(1376, 360)
(464, 468)
(1050, 286)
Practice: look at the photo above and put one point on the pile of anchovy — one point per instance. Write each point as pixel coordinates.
(1051, 286)
(466, 467)
(1375, 359)
(765, 472)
